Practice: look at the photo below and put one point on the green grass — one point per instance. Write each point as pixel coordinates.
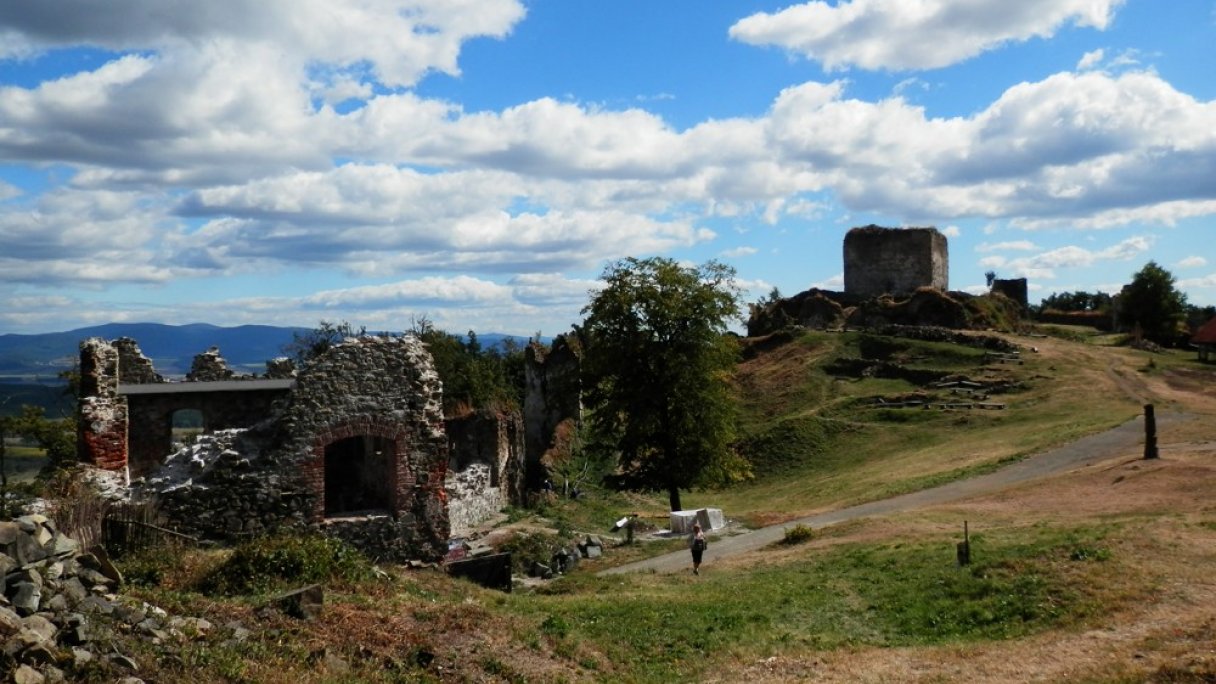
(815, 442)
(902, 594)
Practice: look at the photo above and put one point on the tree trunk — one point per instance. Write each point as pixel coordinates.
(673, 495)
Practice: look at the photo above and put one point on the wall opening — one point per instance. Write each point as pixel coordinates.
(186, 425)
(359, 476)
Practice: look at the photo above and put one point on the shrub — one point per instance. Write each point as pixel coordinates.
(528, 548)
(797, 534)
(265, 564)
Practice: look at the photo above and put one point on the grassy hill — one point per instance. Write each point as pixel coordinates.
(1102, 574)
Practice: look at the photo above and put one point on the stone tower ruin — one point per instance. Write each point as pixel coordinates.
(895, 261)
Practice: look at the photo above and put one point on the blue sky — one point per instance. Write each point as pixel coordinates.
(480, 161)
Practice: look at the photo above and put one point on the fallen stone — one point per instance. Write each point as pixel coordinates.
(8, 532)
(10, 622)
(27, 598)
(39, 655)
(120, 660)
(27, 675)
(44, 628)
(304, 603)
(594, 551)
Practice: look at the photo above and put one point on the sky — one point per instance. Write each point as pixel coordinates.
(479, 162)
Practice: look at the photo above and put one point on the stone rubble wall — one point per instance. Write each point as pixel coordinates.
(381, 386)
(485, 467)
(209, 367)
(133, 367)
(471, 498)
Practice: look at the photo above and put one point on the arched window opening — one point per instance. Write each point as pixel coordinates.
(359, 476)
(186, 426)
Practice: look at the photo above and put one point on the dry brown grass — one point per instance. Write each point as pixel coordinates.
(1167, 545)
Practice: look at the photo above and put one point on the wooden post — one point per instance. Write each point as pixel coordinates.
(1150, 432)
(964, 547)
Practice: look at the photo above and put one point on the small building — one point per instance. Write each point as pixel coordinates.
(1205, 340)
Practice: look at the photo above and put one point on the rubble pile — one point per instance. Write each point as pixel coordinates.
(59, 609)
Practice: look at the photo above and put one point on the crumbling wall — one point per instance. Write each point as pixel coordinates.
(381, 387)
(1015, 289)
(135, 368)
(895, 261)
(101, 426)
(485, 467)
(209, 367)
(553, 394)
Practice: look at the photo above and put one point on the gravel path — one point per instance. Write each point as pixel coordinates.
(1077, 454)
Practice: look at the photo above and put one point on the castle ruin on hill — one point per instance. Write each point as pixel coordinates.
(353, 445)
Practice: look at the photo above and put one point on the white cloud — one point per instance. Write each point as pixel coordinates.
(952, 231)
(410, 293)
(927, 34)
(1193, 262)
(1045, 265)
(835, 282)
(1091, 59)
(1019, 245)
(737, 252)
(400, 39)
(1198, 283)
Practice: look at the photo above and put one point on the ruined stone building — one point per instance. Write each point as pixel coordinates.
(895, 261)
(354, 445)
(553, 409)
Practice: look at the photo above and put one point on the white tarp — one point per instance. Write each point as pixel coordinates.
(710, 519)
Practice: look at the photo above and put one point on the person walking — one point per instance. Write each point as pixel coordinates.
(697, 544)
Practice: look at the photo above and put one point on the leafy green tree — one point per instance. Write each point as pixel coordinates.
(55, 436)
(655, 373)
(1152, 302)
(307, 346)
(474, 377)
(1076, 301)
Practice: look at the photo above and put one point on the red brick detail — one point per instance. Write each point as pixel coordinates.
(313, 470)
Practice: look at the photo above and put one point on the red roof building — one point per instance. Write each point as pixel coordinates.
(1205, 340)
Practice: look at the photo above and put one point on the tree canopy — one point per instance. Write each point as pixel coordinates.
(1076, 301)
(1151, 302)
(655, 373)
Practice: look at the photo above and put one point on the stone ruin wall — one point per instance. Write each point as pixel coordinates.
(269, 473)
(485, 467)
(383, 387)
(1015, 289)
(272, 475)
(895, 261)
(553, 396)
(101, 426)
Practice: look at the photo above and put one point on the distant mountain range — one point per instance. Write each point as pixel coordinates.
(39, 358)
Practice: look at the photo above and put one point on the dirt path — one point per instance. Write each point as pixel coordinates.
(1120, 441)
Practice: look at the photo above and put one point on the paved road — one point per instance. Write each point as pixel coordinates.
(1068, 457)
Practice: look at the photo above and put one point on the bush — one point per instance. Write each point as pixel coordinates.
(526, 549)
(798, 534)
(266, 564)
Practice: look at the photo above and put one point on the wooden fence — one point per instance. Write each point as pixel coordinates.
(131, 528)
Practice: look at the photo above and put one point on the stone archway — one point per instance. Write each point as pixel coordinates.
(360, 469)
(359, 476)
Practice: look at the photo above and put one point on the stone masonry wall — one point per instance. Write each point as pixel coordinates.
(553, 394)
(133, 367)
(485, 467)
(383, 387)
(895, 261)
(101, 427)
